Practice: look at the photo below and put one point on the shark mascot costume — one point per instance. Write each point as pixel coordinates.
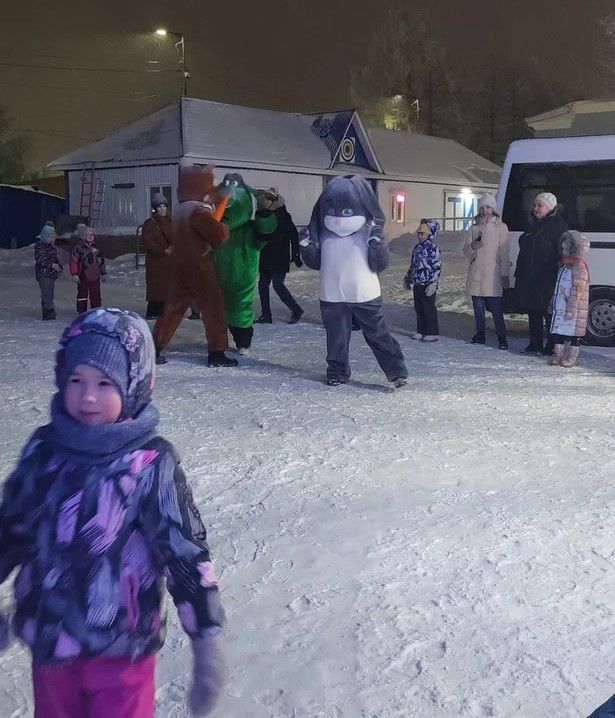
(345, 241)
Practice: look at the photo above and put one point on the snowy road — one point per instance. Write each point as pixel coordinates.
(444, 550)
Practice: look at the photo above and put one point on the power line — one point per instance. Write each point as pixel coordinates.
(76, 89)
(84, 69)
(19, 130)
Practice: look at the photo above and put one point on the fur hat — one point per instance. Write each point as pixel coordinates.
(548, 199)
(488, 200)
(159, 199)
(574, 244)
(119, 344)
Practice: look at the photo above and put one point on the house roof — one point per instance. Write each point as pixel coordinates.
(248, 137)
(583, 117)
(404, 154)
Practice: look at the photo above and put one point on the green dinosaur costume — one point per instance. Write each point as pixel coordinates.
(237, 259)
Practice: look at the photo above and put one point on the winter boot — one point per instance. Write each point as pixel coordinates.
(399, 382)
(532, 349)
(194, 315)
(215, 359)
(52, 314)
(478, 338)
(159, 358)
(334, 382)
(417, 337)
(502, 343)
(429, 338)
(296, 316)
(45, 315)
(547, 350)
(571, 354)
(558, 354)
(264, 320)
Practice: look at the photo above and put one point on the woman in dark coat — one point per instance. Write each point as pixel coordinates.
(157, 240)
(275, 258)
(537, 268)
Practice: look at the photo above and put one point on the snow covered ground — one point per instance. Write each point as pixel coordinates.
(443, 550)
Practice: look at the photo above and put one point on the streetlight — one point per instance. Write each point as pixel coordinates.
(180, 46)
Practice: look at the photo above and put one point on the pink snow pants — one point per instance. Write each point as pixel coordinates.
(95, 688)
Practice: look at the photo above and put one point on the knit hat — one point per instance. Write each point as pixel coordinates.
(548, 199)
(159, 199)
(488, 200)
(429, 227)
(46, 234)
(119, 344)
(83, 230)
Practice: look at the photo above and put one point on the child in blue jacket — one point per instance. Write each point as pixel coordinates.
(423, 277)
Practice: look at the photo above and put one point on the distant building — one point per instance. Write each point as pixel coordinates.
(23, 211)
(585, 117)
(113, 180)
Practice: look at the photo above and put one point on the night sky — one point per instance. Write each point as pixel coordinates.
(282, 54)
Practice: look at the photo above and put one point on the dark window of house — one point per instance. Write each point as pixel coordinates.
(585, 189)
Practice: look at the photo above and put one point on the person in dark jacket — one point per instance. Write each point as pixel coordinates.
(275, 258)
(47, 269)
(96, 515)
(537, 268)
(158, 242)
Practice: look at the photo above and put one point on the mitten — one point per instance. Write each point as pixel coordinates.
(304, 237)
(75, 278)
(208, 673)
(408, 281)
(431, 289)
(376, 235)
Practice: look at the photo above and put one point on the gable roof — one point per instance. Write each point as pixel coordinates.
(423, 157)
(249, 137)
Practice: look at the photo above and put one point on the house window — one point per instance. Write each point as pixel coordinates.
(460, 208)
(165, 190)
(398, 207)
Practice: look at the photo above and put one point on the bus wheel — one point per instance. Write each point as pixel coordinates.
(601, 317)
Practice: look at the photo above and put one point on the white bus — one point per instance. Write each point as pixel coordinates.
(580, 171)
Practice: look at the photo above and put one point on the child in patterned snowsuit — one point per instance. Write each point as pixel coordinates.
(47, 269)
(87, 268)
(570, 302)
(423, 277)
(96, 515)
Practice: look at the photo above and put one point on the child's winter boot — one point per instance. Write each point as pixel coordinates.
(571, 355)
(558, 354)
(478, 338)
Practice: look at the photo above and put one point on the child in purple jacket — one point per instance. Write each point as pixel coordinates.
(47, 269)
(96, 515)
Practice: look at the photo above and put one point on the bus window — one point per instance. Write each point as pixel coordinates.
(585, 189)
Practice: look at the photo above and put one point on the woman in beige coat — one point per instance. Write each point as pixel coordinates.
(486, 246)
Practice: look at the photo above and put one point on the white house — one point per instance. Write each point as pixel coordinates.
(111, 181)
(576, 119)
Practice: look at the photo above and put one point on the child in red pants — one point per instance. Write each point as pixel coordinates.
(87, 268)
(98, 516)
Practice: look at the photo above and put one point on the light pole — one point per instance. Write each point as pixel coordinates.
(180, 46)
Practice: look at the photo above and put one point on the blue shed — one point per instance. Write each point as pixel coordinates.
(23, 211)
